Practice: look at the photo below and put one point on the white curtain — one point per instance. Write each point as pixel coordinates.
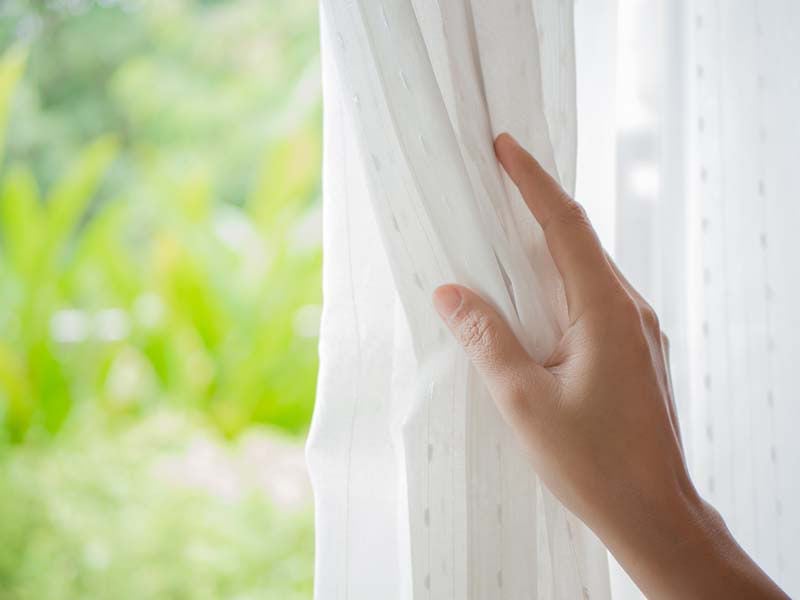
(420, 488)
(707, 217)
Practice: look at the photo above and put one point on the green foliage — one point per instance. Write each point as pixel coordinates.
(160, 184)
(101, 520)
(159, 255)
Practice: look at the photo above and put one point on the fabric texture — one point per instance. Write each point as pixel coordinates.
(713, 243)
(688, 131)
(421, 488)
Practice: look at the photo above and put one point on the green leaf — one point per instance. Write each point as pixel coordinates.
(15, 394)
(70, 198)
(21, 219)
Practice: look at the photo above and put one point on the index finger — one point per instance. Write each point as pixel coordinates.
(572, 241)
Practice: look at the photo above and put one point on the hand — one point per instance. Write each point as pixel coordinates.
(598, 417)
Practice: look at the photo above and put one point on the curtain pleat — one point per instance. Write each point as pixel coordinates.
(421, 489)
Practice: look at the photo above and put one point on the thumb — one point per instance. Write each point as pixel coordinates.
(511, 375)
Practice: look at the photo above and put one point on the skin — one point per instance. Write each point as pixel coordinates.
(598, 417)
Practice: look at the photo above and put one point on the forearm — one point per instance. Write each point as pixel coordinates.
(686, 551)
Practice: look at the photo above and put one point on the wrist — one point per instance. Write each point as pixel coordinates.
(653, 531)
(680, 547)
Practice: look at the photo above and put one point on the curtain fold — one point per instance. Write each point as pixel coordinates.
(706, 218)
(689, 131)
(421, 488)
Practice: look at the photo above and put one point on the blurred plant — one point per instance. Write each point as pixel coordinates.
(177, 259)
(159, 255)
(97, 520)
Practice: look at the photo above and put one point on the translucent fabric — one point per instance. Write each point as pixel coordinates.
(707, 222)
(687, 119)
(421, 489)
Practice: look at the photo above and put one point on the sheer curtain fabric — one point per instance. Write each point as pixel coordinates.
(421, 488)
(706, 225)
(685, 130)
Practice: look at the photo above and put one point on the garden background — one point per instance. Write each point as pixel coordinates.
(159, 297)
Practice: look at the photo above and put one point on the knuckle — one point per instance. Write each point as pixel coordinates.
(633, 325)
(665, 342)
(572, 213)
(650, 319)
(623, 319)
(476, 331)
(615, 309)
(626, 309)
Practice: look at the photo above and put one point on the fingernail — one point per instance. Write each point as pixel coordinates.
(447, 301)
(510, 137)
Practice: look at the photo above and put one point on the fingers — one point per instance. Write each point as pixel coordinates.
(510, 374)
(573, 243)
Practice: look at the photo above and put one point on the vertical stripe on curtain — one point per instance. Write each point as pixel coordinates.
(421, 489)
(743, 135)
(706, 226)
